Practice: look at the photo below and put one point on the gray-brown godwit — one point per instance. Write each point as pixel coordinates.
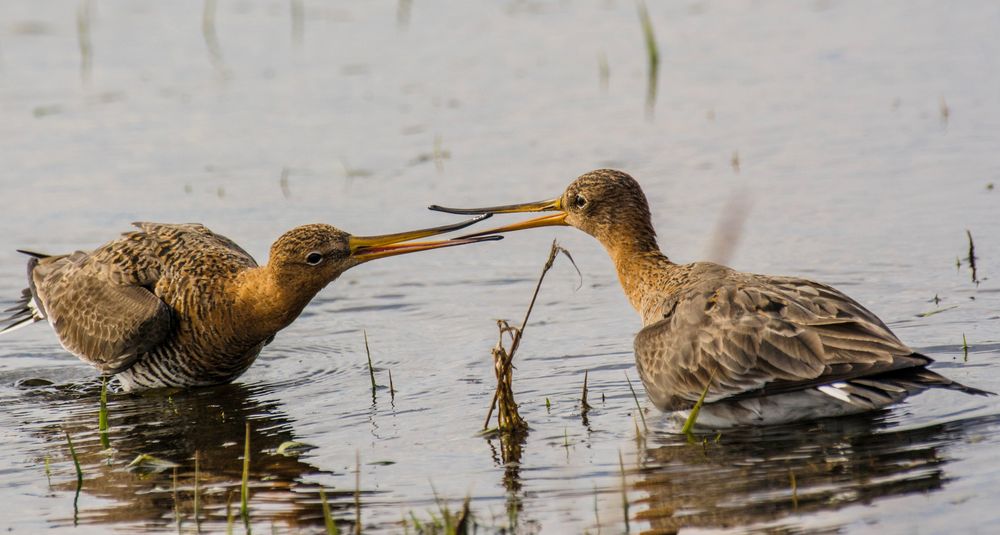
(180, 306)
(769, 349)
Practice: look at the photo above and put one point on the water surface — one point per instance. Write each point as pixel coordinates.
(861, 138)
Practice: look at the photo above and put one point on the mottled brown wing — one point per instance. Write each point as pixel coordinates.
(97, 316)
(757, 335)
(180, 234)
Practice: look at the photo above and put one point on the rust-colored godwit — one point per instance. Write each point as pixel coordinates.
(181, 306)
(768, 349)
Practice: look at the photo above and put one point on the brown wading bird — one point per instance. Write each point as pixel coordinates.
(769, 349)
(181, 306)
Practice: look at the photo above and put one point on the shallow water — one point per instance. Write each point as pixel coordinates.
(859, 137)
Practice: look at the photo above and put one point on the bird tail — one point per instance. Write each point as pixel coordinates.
(926, 378)
(880, 390)
(25, 310)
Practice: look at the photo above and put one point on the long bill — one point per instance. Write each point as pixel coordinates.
(365, 248)
(551, 205)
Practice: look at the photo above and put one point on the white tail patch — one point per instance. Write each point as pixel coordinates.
(834, 390)
(36, 315)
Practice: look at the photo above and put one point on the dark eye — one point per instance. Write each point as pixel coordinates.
(580, 201)
(314, 258)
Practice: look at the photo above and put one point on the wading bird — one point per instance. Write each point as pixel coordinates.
(767, 349)
(181, 306)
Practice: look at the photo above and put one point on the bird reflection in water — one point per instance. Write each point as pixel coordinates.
(760, 477)
(211, 422)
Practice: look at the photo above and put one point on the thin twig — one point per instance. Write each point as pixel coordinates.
(517, 333)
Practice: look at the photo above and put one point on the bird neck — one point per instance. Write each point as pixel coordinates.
(644, 275)
(267, 303)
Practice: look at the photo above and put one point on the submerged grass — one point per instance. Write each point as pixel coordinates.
(653, 56)
(597, 514)
(795, 489)
(79, 478)
(444, 521)
(331, 526)
(244, 484)
(197, 492)
(621, 466)
(972, 257)
(229, 513)
(392, 389)
(692, 418)
(638, 407)
(371, 369)
(357, 492)
(603, 71)
(177, 504)
(83, 17)
(930, 313)
(76, 461)
(102, 416)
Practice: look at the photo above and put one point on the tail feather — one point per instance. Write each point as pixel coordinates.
(25, 312)
(931, 379)
(882, 389)
(34, 254)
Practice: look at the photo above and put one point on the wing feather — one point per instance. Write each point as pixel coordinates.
(102, 313)
(761, 335)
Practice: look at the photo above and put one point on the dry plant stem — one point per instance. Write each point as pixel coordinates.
(502, 359)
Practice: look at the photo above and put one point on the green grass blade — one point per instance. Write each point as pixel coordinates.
(693, 416)
(638, 407)
(331, 526)
(102, 417)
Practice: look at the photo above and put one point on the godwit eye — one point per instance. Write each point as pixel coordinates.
(314, 258)
(580, 201)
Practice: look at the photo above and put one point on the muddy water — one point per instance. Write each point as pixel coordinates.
(859, 139)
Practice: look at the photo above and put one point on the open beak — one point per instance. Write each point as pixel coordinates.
(552, 205)
(365, 248)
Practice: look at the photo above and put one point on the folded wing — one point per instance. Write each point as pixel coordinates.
(753, 335)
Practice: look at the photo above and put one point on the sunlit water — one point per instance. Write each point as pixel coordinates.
(862, 138)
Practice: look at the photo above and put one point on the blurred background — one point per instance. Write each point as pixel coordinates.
(845, 141)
